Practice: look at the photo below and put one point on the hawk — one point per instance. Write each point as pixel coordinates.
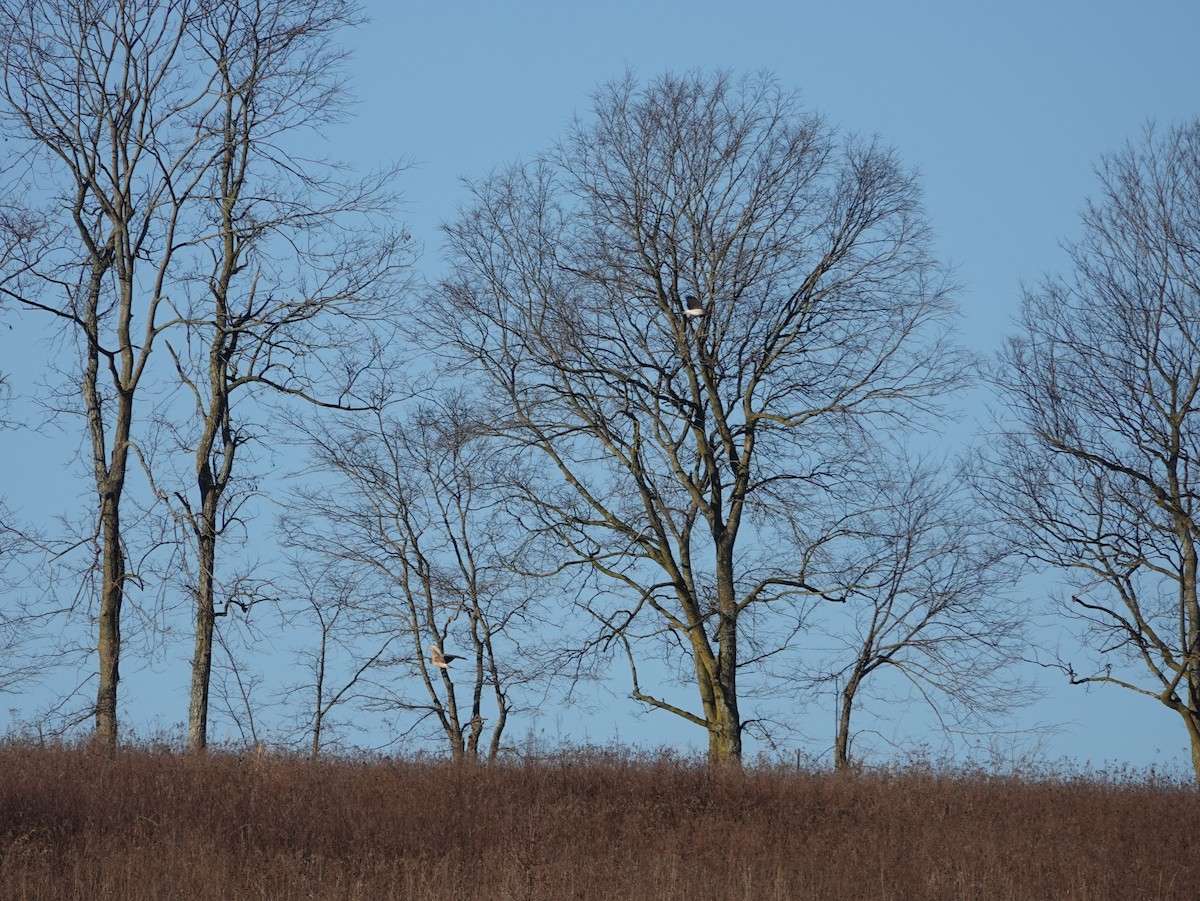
(437, 658)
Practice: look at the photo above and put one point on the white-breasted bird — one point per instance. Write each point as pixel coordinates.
(437, 658)
(692, 306)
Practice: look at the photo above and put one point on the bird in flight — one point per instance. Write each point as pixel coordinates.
(692, 306)
(437, 658)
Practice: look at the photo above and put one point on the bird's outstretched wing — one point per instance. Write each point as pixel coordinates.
(437, 658)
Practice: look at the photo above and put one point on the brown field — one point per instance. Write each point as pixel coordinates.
(153, 824)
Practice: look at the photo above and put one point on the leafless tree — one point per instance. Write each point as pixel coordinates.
(109, 149)
(694, 313)
(237, 688)
(1099, 472)
(415, 513)
(930, 603)
(350, 645)
(176, 128)
(290, 270)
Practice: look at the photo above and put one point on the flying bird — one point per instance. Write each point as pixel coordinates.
(692, 306)
(437, 658)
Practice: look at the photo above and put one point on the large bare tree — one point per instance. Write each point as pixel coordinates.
(693, 313)
(1099, 474)
(109, 154)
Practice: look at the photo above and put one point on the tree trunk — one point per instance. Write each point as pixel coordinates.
(841, 742)
(458, 745)
(716, 681)
(725, 734)
(1191, 719)
(206, 525)
(112, 588)
(1189, 638)
(202, 654)
(109, 477)
(724, 722)
(319, 707)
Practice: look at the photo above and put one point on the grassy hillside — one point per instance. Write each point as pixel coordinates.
(155, 825)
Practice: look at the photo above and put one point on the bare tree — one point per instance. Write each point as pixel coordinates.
(930, 604)
(290, 270)
(108, 131)
(694, 312)
(1099, 473)
(350, 646)
(417, 512)
(236, 689)
(175, 128)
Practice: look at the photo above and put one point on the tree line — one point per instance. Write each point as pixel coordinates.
(674, 404)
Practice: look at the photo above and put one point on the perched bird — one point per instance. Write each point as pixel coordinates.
(437, 658)
(692, 306)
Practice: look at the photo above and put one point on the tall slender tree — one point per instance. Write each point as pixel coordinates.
(180, 198)
(290, 270)
(108, 133)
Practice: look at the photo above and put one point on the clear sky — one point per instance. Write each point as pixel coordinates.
(1004, 108)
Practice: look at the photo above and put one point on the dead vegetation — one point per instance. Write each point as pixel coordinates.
(154, 824)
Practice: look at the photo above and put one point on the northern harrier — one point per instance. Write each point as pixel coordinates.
(437, 658)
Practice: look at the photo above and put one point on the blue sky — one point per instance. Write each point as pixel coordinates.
(1004, 108)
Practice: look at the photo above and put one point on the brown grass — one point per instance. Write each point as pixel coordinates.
(144, 824)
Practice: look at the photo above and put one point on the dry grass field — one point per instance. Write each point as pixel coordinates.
(149, 825)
